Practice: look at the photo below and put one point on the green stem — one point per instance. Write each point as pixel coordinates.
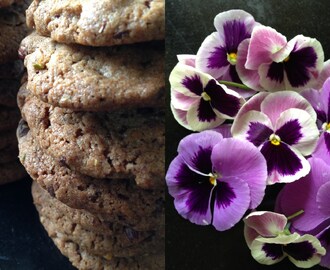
(233, 84)
(295, 214)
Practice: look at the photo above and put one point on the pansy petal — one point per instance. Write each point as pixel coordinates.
(253, 104)
(323, 199)
(324, 75)
(212, 56)
(250, 235)
(265, 253)
(314, 98)
(196, 150)
(231, 200)
(305, 62)
(248, 77)
(296, 127)
(282, 239)
(225, 101)
(253, 126)
(272, 77)
(232, 76)
(301, 195)
(265, 223)
(284, 163)
(325, 241)
(180, 116)
(188, 80)
(202, 117)
(265, 41)
(187, 59)
(322, 149)
(234, 26)
(305, 252)
(191, 192)
(325, 97)
(224, 130)
(250, 167)
(181, 101)
(276, 103)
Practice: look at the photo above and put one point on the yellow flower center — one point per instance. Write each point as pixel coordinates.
(326, 127)
(232, 58)
(213, 179)
(205, 96)
(275, 139)
(287, 59)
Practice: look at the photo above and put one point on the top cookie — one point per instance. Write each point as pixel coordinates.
(12, 30)
(94, 79)
(98, 23)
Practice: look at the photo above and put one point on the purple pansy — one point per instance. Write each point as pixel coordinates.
(268, 61)
(210, 185)
(218, 53)
(270, 241)
(198, 101)
(312, 194)
(283, 126)
(320, 100)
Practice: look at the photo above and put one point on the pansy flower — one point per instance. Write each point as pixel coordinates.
(270, 241)
(210, 185)
(279, 64)
(218, 53)
(282, 125)
(320, 100)
(198, 101)
(311, 194)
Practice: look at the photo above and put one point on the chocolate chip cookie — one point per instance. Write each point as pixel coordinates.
(94, 79)
(98, 23)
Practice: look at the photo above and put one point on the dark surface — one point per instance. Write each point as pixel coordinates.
(188, 22)
(24, 244)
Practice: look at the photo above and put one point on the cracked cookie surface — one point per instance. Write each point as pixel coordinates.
(95, 79)
(98, 23)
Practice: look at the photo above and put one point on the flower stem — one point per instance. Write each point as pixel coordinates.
(295, 214)
(233, 84)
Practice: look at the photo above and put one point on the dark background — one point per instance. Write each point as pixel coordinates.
(188, 22)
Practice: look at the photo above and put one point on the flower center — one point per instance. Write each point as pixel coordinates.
(232, 58)
(326, 127)
(205, 96)
(275, 139)
(287, 59)
(213, 179)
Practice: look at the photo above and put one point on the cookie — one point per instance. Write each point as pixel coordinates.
(112, 239)
(10, 172)
(9, 118)
(12, 30)
(121, 144)
(94, 79)
(98, 23)
(115, 200)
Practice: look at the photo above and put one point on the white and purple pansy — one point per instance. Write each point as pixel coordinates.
(311, 193)
(320, 100)
(218, 53)
(279, 64)
(270, 241)
(198, 101)
(210, 185)
(283, 126)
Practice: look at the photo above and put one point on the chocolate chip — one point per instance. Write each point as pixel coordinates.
(121, 34)
(22, 129)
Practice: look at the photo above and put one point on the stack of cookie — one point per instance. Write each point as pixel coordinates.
(92, 137)
(12, 30)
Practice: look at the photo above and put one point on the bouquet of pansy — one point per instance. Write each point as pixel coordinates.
(259, 106)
